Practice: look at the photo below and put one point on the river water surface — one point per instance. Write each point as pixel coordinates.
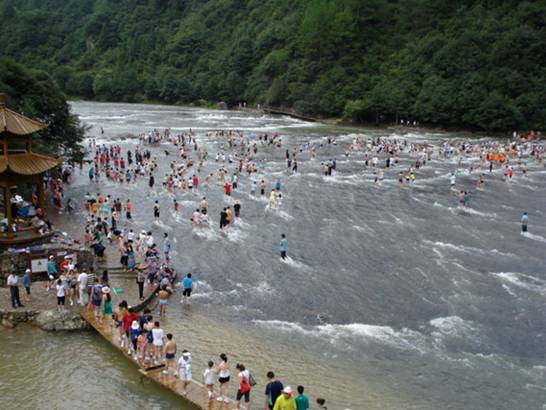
(393, 297)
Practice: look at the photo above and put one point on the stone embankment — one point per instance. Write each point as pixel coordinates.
(52, 320)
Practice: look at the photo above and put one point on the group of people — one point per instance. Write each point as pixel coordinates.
(146, 341)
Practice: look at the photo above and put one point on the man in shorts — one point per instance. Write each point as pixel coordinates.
(170, 354)
(187, 283)
(163, 300)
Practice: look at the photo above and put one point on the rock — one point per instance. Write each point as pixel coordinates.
(60, 320)
(8, 323)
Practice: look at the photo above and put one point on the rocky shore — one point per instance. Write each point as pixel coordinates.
(52, 320)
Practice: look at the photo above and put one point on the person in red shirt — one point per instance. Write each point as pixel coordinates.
(128, 320)
(227, 188)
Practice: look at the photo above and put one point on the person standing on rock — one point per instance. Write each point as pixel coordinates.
(27, 281)
(13, 283)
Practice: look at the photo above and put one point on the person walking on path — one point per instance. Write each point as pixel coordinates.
(223, 378)
(273, 390)
(82, 288)
(170, 354)
(283, 246)
(140, 279)
(302, 401)
(13, 283)
(244, 386)
(184, 370)
(163, 300)
(208, 378)
(285, 401)
(27, 282)
(524, 221)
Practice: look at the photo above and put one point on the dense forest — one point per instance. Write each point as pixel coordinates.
(35, 94)
(471, 64)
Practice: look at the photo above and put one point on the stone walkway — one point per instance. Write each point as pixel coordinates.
(41, 299)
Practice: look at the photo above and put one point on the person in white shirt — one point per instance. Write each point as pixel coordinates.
(82, 288)
(158, 336)
(13, 283)
(184, 369)
(130, 236)
(208, 378)
(60, 294)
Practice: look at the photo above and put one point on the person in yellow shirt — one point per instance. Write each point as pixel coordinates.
(286, 400)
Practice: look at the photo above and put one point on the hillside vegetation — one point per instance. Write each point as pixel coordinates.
(35, 94)
(472, 64)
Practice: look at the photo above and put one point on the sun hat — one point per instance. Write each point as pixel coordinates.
(105, 289)
(287, 390)
(135, 325)
(28, 271)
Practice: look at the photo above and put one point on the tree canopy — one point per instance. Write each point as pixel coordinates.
(474, 64)
(35, 94)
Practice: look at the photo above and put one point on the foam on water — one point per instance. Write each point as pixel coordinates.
(533, 236)
(365, 229)
(162, 225)
(467, 210)
(466, 249)
(294, 263)
(235, 235)
(522, 281)
(404, 339)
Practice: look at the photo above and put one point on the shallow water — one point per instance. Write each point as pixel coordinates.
(393, 297)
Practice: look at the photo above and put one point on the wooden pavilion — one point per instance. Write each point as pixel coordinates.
(20, 166)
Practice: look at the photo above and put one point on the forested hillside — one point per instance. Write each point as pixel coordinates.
(35, 94)
(474, 64)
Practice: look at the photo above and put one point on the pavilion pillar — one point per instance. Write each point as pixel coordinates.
(40, 193)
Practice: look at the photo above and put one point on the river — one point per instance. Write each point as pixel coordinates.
(393, 297)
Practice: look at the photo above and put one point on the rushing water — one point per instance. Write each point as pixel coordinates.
(393, 297)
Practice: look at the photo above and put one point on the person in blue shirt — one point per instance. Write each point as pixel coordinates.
(187, 286)
(52, 271)
(283, 246)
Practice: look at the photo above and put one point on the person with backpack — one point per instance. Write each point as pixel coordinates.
(244, 385)
(96, 299)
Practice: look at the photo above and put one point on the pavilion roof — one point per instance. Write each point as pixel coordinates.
(28, 163)
(15, 123)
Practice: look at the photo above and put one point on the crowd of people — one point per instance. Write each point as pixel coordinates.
(109, 223)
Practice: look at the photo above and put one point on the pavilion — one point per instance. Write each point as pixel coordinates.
(19, 167)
